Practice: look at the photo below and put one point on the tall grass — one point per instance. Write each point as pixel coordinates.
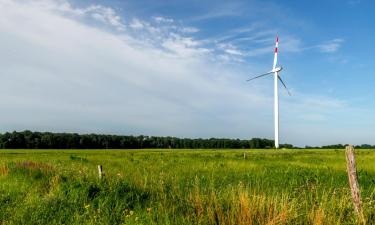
(181, 187)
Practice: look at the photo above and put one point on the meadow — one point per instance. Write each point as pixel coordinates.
(182, 187)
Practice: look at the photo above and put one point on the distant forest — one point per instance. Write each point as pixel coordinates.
(47, 140)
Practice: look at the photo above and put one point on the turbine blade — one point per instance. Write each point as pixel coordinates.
(259, 76)
(276, 50)
(283, 84)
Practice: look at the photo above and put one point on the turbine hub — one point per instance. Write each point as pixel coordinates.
(278, 69)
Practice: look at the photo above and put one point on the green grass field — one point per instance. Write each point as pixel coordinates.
(182, 187)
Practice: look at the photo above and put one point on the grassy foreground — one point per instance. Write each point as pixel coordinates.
(182, 187)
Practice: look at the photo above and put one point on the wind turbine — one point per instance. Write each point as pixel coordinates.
(275, 70)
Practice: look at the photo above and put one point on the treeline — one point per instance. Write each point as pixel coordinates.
(341, 146)
(47, 140)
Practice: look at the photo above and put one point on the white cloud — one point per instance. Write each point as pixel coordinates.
(290, 44)
(230, 49)
(100, 13)
(233, 52)
(256, 43)
(287, 44)
(184, 47)
(190, 30)
(106, 15)
(331, 46)
(161, 19)
(136, 24)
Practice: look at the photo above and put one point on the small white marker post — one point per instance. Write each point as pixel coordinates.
(100, 171)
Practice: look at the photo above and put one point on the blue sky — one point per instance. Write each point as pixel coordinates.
(178, 68)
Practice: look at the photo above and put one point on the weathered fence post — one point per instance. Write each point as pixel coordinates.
(100, 171)
(353, 181)
(244, 155)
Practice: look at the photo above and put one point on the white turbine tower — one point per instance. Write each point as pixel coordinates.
(275, 70)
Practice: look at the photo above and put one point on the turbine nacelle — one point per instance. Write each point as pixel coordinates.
(277, 69)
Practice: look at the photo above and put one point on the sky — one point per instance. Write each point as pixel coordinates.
(179, 68)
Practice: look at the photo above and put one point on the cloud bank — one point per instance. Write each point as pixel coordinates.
(61, 72)
(73, 69)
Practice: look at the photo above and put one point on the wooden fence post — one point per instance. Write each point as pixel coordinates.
(353, 181)
(100, 171)
(244, 155)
